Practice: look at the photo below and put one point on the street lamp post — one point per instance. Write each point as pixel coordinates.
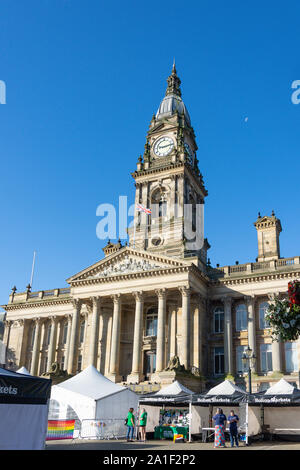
(249, 359)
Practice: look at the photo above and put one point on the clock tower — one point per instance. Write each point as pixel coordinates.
(169, 183)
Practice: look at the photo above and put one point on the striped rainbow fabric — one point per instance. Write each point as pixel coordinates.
(60, 429)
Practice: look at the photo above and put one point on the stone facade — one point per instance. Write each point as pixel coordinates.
(157, 299)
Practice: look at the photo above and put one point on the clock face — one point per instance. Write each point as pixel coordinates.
(163, 146)
(190, 153)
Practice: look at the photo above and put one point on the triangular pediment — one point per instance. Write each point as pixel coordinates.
(126, 261)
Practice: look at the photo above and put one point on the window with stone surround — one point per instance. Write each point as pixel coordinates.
(266, 357)
(241, 320)
(151, 322)
(291, 357)
(219, 320)
(65, 333)
(82, 330)
(240, 367)
(263, 324)
(219, 360)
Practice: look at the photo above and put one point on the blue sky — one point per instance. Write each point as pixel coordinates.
(83, 80)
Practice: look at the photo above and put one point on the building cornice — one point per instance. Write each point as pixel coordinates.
(256, 278)
(36, 304)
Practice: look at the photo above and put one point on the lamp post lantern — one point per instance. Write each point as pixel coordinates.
(249, 359)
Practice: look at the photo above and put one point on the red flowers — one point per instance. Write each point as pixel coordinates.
(294, 293)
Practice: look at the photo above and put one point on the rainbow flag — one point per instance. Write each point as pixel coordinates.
(60, 429)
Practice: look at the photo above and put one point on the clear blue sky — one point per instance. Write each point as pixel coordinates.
(83, 80)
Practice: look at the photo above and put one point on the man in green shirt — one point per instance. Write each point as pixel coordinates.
(143, 422)
(130, 425)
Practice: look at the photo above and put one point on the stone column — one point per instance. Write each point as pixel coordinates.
(36, 347)
(276, 349)
(161, 322)
(67, 345)
(185, 327)
(136, 372)
(96, 309)
(250, 301)
(228, 351)
(74, 335)
(115, 340)
(52, 344)
(172, 330)
(6, 337)
(276, 357)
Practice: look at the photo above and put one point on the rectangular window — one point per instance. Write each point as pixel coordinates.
(219, 321)
(266, 357)
(219, 361)
(263, 324)
(291, 357)
(240, 367)
(79, 363)
(241, 318)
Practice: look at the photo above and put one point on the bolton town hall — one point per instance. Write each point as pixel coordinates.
(155, 310)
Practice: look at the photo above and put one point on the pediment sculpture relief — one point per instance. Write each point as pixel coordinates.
(129, 265)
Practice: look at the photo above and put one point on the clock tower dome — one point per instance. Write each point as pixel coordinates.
(169, 183)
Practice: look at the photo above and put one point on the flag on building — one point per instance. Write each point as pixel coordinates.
(141, 208)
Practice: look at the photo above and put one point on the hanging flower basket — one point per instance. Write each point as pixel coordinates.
(283, 316)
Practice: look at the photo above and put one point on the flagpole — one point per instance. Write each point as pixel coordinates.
(32, 270)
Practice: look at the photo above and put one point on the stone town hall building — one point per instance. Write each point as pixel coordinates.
(143, 304)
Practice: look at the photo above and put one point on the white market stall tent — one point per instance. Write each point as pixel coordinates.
(23, 370)
(174, 389)
(277, 410)
(24, 404)
(172, 397)
(89, 397)
(225, 395)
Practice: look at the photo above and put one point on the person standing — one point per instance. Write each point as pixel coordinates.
(143, 423)
(220, 423)
(130, 425)
(232, 420)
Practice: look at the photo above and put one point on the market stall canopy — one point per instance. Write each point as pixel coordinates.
(281, 388)
(91, 383)
(281, 393)
(23, 370)
(174, 389)
(22, 388)
(225, 392)
(89, 396)
(23, 410)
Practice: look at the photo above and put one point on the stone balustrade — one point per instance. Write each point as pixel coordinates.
(248, 268)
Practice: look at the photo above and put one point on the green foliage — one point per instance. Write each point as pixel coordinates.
(284, 320)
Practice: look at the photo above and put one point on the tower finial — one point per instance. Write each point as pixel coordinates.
(173, 82)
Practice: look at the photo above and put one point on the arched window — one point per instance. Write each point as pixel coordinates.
(82, 329)
(151, 322)
(159, 205)
(263, 324)
(241, 317)
(219, 320)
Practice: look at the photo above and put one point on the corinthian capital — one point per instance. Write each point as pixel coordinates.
(185, 291)
(161, 293)
(249, 299)
(77, 303)
(116, 298)
(227, 300)
(138, 295)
